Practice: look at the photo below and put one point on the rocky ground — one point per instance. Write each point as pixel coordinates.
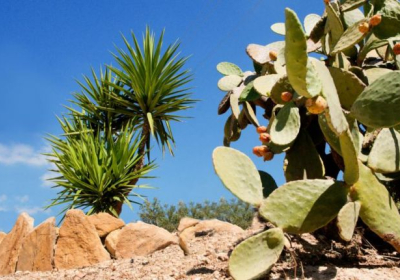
(309, 258)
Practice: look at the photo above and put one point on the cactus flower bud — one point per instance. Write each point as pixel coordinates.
(261, 129)
(396, 49)
(375, 20)
(268, 156)
(316, 105)
(286, 96)
(265, 137)
(273, 55)
(256, 151)
(363, 27)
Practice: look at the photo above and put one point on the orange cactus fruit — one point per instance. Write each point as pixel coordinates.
(268, 156)
(286, 96)
(265, 137)
(273, 55)
(363, 27)
(261, 129)
(375, 20)
(396, 49)
(316, 105)
(256, 151)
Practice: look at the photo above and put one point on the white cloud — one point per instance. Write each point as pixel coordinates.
(22, 199)
(31, 210)
(48, 175)
(3, 198)
(22, 154)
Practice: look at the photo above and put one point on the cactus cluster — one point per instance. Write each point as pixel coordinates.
(346, 100)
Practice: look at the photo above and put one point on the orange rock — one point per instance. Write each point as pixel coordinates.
(105, 223)
(12, 243)
(37, 252)
(186, 222)
(2, 235)
(111, 241)
(78, 244)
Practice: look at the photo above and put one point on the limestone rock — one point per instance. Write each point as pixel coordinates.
(186, 222)
(12, 242)
(208, 226)
(105, 223)
(37, 251)
(78, 244)
(111, 241)
(140, 239)
(2, 235)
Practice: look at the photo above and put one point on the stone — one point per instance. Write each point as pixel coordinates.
(186, 222)
(2, 235)
(141, 239)
(37, 251)
(111, 241)
(208, 227)
(79, 244)
(12, 242)
(105, 223)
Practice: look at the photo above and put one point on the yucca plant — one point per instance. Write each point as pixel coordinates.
(96, 169)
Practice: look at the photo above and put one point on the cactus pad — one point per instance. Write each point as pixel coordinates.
(302, 160)
(375, 73)
(249, 93)
(301, 73)
(334, 25)
(304, 206)
(378, 210)
(349, 5)
(268, 183)
(263, 85)
(227, 68)
(238, 174)
(260, 54)
(390, 24)
(347, 219)
(286, 125)
(255, 256)
(349, 154)
(385, 153)
(280, 86)
(329, 135)
(310, 21)
(229, 82)
(350, 37)
(250, 113)
(278, 28)
(377, 106)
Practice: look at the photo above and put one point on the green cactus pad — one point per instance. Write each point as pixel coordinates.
(390, 24)
(255, 256)
(280, 63)
(348, 86)
(378, 105)
(260, 54)
(268, 183)
(250, 113)
(242, 120)
(263, 85)
(336, 117)
(286, 125)
(349, 154)
(280, 86)
(232, 130)
(278, 28)
(378, 210)
(375, 73)
(249, 93)
(351, 17)
(228, 83)
(349, 5)
(372, 43)
(347, 219)
(319, 29)
(234, 100)
(302, 160)
(304, 206)
(238, 174)
(329, 135)
(385, 153)
(356, 135)
(301, 73)
(224, 104)
(349, 38)
(227, 68)
(310, 21)
(333, 24)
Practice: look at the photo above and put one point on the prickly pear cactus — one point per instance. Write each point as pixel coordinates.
(334, 111)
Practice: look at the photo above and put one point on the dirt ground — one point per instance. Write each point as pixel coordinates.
(309, 258)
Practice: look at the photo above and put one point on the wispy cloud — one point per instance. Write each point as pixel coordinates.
(33, 210)
(22, 199)
(48, 175)
(3, 198)
(22, 154)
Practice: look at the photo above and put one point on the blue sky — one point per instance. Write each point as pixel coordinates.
(46, 45)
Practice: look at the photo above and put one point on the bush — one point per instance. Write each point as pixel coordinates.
(168, 216)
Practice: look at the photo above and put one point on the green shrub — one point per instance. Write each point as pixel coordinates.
(168, 216)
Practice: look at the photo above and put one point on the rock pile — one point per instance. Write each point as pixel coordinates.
(87, 240)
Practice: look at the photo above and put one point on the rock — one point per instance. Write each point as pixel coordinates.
(105, 223)
(12, 242)
(186, 222)
(37, 251)
(111, 241)
(207, 227)
(2, 235)
(140, 239)
(78, 244)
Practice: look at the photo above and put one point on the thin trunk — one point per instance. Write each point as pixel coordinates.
(139, 165)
